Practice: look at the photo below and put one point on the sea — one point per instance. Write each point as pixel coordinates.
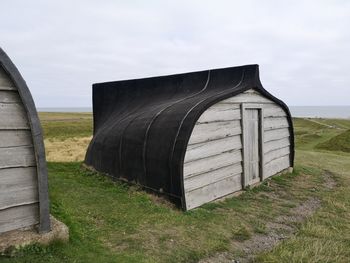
(342, 112)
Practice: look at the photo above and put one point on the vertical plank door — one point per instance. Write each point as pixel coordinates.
(252, 144)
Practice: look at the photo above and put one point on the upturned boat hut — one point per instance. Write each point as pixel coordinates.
(195, 137)
(24, 198)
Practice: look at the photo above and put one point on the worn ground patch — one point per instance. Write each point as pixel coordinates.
(281, 228)
(329, 181)
(15, 239)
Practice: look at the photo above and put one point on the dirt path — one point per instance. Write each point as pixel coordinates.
(329, 181)
(281, 228)
(326, 125)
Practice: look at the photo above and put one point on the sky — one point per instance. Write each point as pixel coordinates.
(63, 47)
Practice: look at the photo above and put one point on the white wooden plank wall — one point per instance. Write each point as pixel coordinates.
(213, 191)
(213, 160)
(18, 186)
(18, 217)
(18, 175)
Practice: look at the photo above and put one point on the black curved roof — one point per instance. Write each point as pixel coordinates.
(36, 131)
(142, 126)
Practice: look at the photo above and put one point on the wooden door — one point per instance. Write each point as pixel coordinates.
(252, 146)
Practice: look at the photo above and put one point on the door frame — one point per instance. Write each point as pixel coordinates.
(260, 109)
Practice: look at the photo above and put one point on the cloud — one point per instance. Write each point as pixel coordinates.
(62, 47)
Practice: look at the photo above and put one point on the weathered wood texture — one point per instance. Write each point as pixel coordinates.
(9, 96)
(17, 157)
(13, 117)
(18, 217)
(208, 148)
(13, 138)
(18, 172)
(248, 97)
(200, 166)
(276, 165)
(275, 133)
(213, 162)
(252, 146)
(221, 112)
(18, 187)
(5, 81)
(214, 131)
(218, 189)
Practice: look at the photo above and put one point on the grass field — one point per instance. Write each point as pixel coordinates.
(67, 135)
(113, 222)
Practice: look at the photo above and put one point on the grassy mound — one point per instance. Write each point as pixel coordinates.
(340, 142)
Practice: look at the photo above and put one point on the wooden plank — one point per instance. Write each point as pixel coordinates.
(9, 138)
(276, 154)
(18, 186)
(276, 166)
(213, 191)
(221, 112)
(276, 134)
(273, 110)
(22, 156)
(19, 217)
(212, 163)
(5, 82)
(248, 97)
(13, 116)
(205, 149)
(9, 96)
(204, 179)
(214, 130)
(275, 123)
(277, 144)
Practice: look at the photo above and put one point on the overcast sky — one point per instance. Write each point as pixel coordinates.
(62, 47)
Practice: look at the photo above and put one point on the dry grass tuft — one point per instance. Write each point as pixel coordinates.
(68, 150)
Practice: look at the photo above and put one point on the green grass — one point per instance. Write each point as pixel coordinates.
(66, 125)
(325, 237)
(340, 142)
(114, 222)
(336, 123)
(311, 132)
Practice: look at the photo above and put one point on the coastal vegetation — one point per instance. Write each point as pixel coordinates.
(301, 217)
